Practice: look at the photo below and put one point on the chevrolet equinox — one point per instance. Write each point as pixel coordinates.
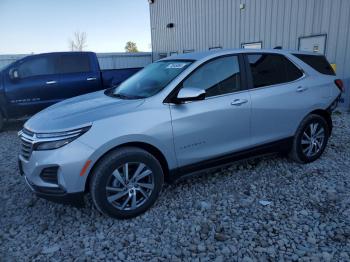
(178, 115)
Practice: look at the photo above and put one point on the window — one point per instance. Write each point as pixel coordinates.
(215, 48)
(74, 63)
(217, 77)
(37, 66)
(272, 69)
(186, 51)
(317, 62)
(173, 53)
(162, 55)
(255, 45)
(313, 43)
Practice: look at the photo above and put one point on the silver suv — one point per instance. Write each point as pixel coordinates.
(178, 115)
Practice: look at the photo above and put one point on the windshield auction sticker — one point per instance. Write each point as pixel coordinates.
(176, 65)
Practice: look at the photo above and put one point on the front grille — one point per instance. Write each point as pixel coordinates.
(26, 148)
(27, 143)
(27, 132)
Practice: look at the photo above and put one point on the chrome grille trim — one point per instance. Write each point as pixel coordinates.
(27, 142)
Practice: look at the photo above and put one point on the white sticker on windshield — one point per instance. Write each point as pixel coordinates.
(176, 65)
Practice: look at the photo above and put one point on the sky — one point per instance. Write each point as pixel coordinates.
(36, 26)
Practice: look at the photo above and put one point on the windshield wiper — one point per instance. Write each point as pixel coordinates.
(122, 96)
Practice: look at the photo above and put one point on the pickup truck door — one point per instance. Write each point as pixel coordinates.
(79, 74)
(28, 93)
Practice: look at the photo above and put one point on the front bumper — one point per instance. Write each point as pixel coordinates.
(70, 160)
(74, 199)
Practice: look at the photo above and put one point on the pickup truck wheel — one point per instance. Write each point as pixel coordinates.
(310, 140)
(126, 182)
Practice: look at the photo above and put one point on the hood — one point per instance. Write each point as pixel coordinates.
(79, 111)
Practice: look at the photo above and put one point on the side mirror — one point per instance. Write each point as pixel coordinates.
(187, 94)
(14, 74)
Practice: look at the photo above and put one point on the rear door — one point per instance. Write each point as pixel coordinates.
(280, 96)
(30, 92)
(218, 125)
(78, 75)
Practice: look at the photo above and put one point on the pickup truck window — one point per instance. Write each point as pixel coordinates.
(37, 66)
(151, 80)
(74, 63)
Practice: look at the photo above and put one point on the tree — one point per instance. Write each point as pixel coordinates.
(78, 43)
(131, 47)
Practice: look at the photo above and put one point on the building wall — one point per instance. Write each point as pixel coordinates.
(106, 60)
(203, 24)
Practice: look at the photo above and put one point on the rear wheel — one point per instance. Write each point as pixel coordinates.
(310, 140)
(126, 183)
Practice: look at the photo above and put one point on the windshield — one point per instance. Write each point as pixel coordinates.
(150, 80)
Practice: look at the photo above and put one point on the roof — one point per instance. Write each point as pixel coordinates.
(201, 55)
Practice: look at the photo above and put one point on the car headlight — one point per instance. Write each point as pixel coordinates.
(49, 141)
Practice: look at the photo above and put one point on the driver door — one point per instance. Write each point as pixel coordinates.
(218, 125)
(29, 93)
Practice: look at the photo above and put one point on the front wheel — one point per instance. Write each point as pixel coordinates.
(310, 140)
(126, 182)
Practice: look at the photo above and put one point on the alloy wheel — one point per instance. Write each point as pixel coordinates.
(130, 186)
(313, 139)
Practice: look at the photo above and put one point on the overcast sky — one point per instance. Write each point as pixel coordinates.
(35, 26)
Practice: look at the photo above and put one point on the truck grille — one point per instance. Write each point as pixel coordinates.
(27, 144)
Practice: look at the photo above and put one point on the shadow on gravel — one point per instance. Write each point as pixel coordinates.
(14, 125)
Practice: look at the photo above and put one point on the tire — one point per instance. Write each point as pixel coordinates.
(120, 194)
(308, 145)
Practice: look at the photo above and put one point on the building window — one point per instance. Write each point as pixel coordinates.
(252, 45)
(313, 43)
(215, 48)
(162, 55)
(188, 51)
(173, 53)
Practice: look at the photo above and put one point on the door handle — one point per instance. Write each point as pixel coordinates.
(301, 89)
(238, 102)
(51, 82)
(90, 78)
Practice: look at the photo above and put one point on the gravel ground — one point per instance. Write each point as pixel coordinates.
(267, 209)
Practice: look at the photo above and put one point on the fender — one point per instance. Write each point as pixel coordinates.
(167, 159)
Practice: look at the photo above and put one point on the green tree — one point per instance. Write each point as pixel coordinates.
(131, 47)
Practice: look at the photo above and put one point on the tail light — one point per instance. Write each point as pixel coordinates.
(339, 83)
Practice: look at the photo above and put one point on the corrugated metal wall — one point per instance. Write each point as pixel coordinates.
(106, 60)
(202, 24)
(124, 60)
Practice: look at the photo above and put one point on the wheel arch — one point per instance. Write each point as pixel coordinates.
(326, 115)
(157, 153)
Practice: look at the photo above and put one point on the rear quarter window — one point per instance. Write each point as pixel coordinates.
(317, 62)
(272, 69)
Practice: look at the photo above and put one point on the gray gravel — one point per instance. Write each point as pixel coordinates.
(267, 209)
